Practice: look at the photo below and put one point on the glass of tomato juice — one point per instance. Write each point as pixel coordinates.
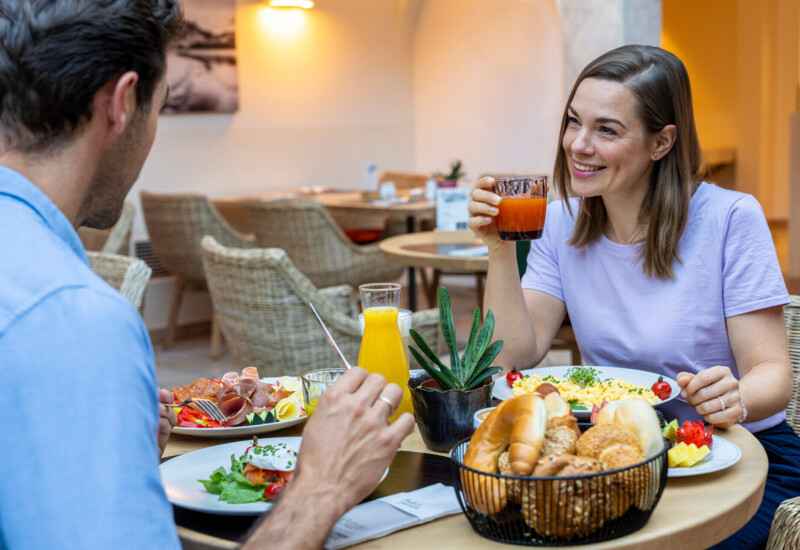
(520, 215)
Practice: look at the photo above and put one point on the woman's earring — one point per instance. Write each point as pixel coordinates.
(655, 156)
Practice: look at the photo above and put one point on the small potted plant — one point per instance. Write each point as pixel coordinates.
(451, 179)
(446, 398)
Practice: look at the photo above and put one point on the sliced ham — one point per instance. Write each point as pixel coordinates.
(230, 378)
(246, 387)
(250, 372)
(226, 391)
(235, 408)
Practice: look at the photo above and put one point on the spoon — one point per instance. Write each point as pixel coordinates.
(330, 338)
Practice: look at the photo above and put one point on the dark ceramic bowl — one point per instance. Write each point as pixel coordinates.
(445, 418)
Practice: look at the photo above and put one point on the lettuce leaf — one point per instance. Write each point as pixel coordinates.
(233, 487)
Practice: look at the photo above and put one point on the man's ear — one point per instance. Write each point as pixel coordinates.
(122, 101)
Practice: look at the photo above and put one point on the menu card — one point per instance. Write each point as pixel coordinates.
(452, 208)
(378, 518)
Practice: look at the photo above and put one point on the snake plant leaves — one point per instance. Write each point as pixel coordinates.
(474, 366)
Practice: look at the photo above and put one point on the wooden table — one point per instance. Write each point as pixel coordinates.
(694, 512)
(434, 249)
(339, 203)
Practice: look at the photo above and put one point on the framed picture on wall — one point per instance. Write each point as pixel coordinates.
(201, 68)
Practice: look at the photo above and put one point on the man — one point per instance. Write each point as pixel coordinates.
(81, 84)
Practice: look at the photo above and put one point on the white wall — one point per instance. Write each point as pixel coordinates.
(487, 85)
(316, 103)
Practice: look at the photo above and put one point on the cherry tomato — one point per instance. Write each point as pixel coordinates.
(662, 389)
(512, 376)
(273, 490)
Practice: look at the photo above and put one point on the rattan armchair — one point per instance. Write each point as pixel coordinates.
(127, 274)
(316, 244)
(261, 300)
(176, 223)
(785, 530)
(116, 240)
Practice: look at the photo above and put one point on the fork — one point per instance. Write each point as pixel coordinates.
(206, 405)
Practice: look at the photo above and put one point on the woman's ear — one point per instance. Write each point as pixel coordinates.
(664, 141)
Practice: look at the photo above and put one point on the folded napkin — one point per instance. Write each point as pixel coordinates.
(470, 252)
(378, 518)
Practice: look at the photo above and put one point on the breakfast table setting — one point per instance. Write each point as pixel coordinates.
(696, 509)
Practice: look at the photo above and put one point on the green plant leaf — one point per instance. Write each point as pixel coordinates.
(438, 375)
(484, 364)
(448, 329)
(488, 357)
(468, 359)
(481, 343)
(478, 380)
(426, 349)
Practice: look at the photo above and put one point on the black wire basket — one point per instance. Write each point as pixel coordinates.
(558, 511)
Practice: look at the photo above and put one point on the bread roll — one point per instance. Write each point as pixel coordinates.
(565, 508)
(637, 416)
(517, 425)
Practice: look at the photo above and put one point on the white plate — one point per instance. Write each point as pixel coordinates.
(241, 431)
(724, 454)
(180, 474)
(503, 391)
(180, 477)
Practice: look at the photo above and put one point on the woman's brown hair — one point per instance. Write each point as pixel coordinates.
(660, 83)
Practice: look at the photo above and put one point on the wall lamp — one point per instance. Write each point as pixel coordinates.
(306, 4)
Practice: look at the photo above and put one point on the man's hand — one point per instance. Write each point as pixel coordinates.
(167, 419)
(347, 445)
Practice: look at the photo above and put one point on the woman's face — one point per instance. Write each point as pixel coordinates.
(608, 150)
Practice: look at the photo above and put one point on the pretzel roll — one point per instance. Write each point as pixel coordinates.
(517, 425)
(637, 416)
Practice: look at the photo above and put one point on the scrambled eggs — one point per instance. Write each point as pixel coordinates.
(593, 394)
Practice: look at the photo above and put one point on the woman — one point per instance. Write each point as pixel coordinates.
(658, 270)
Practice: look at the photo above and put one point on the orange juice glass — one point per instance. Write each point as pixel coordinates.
(382, 348)
(520, 215)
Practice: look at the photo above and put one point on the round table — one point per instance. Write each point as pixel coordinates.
(694, 511)
(436, 249)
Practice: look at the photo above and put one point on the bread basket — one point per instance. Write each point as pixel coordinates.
(558, 511)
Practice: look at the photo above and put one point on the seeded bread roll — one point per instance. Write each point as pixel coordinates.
(569, 507)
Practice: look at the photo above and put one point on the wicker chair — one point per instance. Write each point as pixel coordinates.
(785, 530)
(127, 274)
(261, 300)
(116, 240)
(316, 245)
(176, 223)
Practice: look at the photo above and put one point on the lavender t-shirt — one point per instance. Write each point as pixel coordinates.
(623, 318)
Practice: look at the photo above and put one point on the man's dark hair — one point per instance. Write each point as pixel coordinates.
(56, 54)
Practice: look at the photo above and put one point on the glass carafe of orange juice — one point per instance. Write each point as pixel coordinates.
(382, 348)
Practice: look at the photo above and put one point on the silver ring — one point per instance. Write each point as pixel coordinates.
(721, 402)
(387, 401)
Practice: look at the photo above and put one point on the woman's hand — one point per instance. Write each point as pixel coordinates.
(483, 209)
(714, 394)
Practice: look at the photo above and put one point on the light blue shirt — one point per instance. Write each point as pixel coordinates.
(623, 318)
(79, 456)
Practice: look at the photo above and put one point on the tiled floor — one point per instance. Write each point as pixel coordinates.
(189, 359)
